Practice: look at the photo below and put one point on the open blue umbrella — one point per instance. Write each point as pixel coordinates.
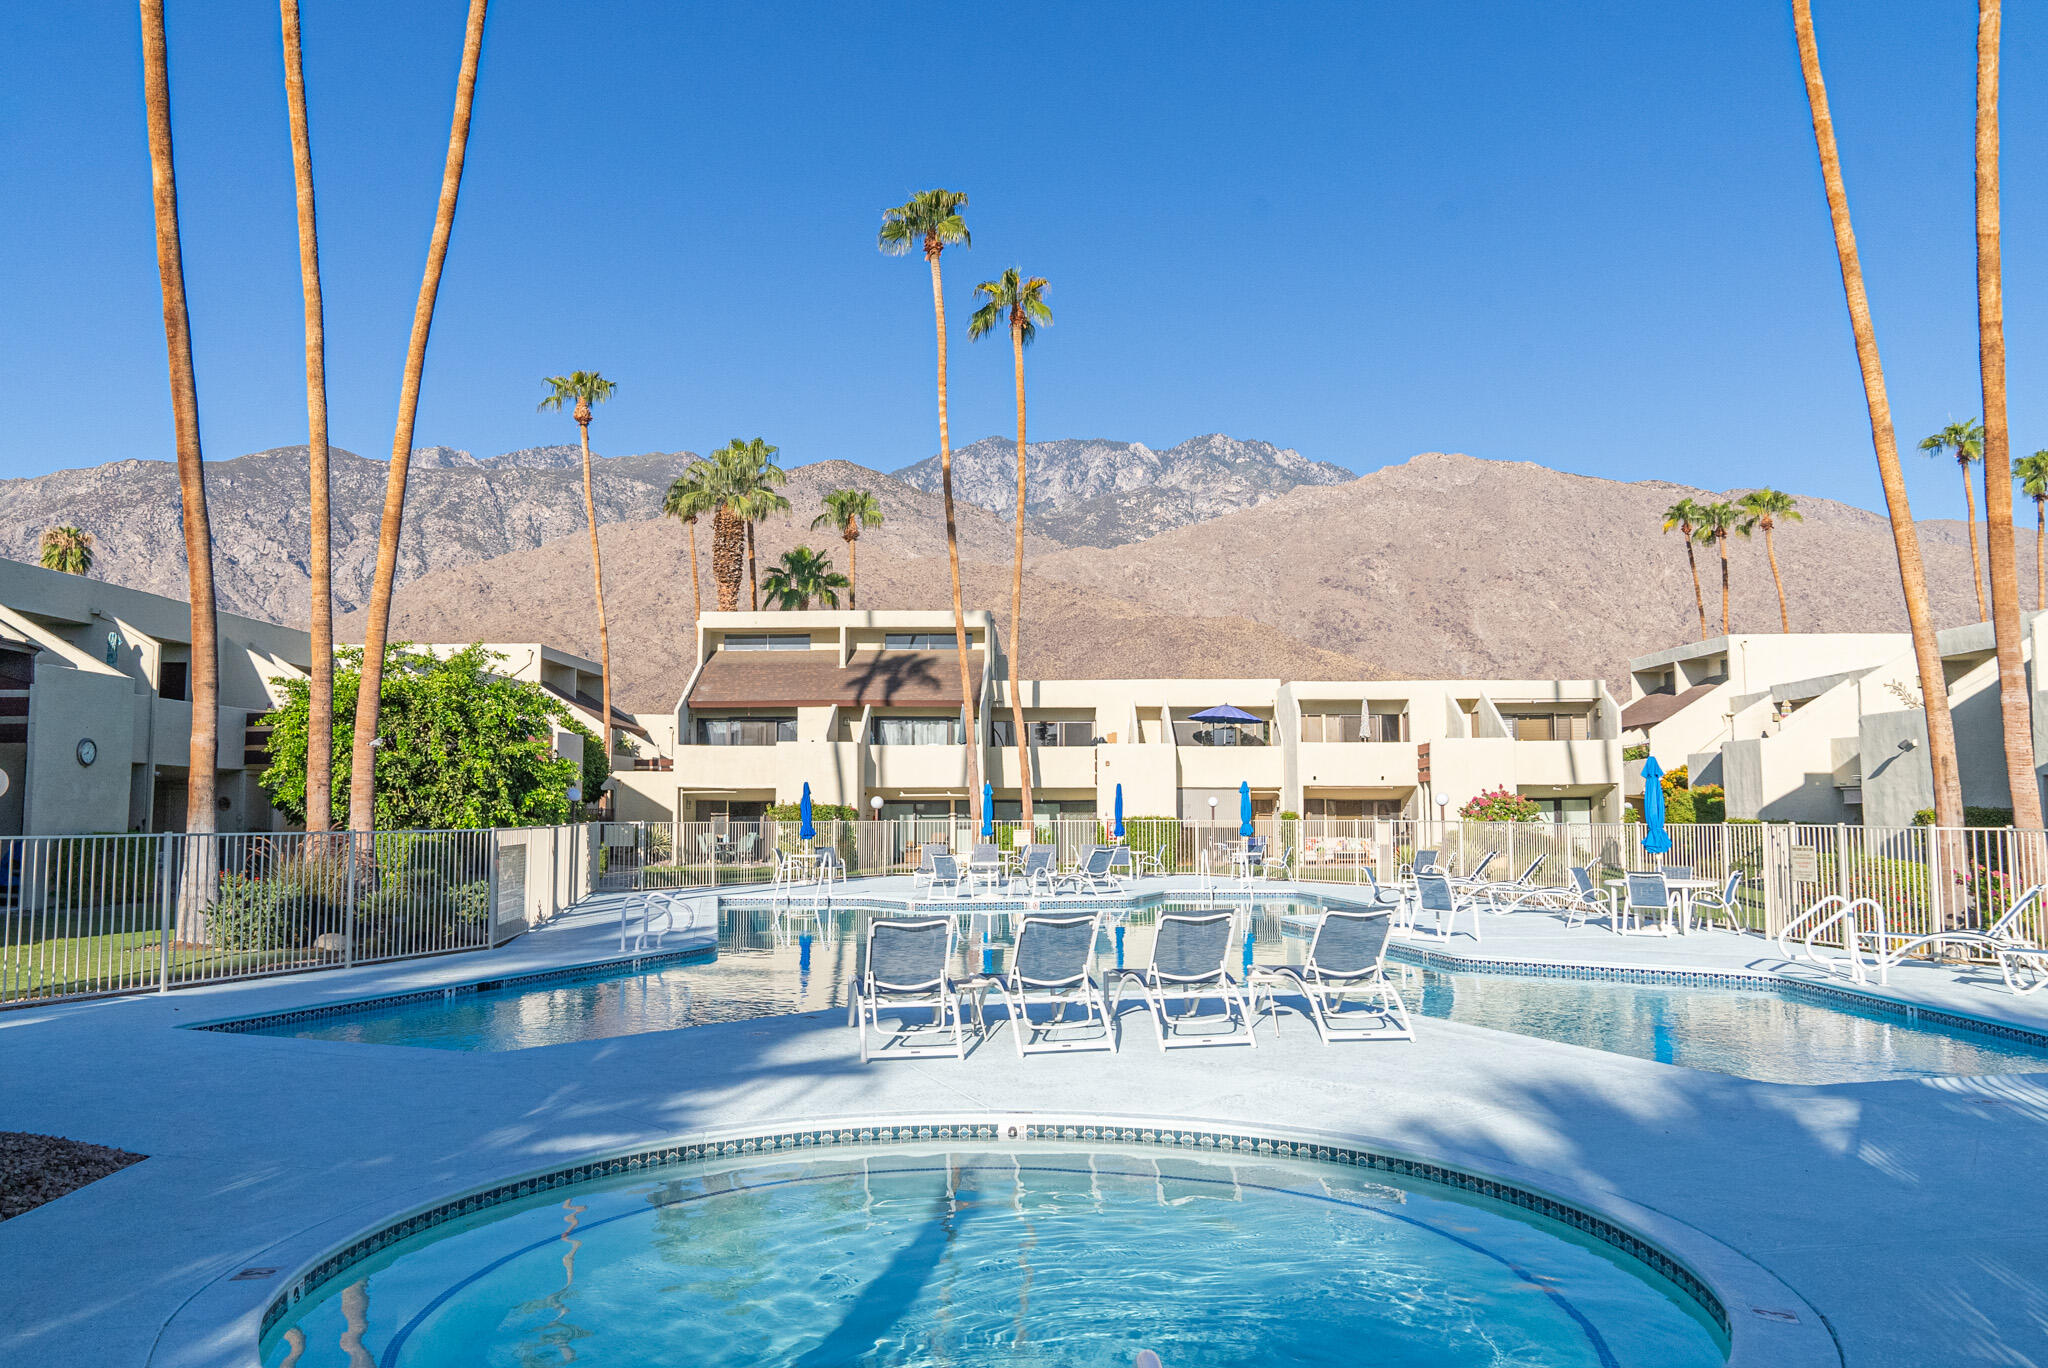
(1223, 713)
(1118, 829)
(805, 829)
(1656, 840)
(1244, 808)
(988, 812)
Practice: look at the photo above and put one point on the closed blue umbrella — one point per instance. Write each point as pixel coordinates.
(805, 829)
(1656, 840)
(988, 812)
(1244, 808)
(1118, 829)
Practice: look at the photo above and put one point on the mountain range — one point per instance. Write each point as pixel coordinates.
(1216, 557)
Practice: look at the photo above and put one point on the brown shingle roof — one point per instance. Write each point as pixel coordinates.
(815, 679)
(1651, 709)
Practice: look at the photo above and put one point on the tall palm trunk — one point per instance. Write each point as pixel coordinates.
(204, 674)
(604, 638)
(2015, 705)
(362, 797)
(753, 579)
(1721, 542)
(1017, 584)
(320, 712)
(728, 556)
(1771, 552)
(967, 699)
(1699, 600)
(696, 589)
(1970, 521)
(852, 535)
(1941, 735)
(2040, 555)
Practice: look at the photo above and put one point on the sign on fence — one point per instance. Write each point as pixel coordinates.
(1805, 864)
(511, 916)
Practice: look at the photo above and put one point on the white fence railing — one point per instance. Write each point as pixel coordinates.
(1927, 879)
(86, 915)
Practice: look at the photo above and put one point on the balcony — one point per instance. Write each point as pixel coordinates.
(1358, 764)
(1052, 767)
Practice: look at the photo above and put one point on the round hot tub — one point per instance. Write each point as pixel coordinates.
(973, 1252)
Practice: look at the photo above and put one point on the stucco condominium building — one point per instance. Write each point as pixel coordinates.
(96, 717)
(867, 705)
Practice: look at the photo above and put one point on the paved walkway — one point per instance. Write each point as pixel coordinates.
(1902, 1212)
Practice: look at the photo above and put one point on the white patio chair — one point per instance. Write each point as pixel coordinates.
(905, 968)
(1435, 893)
(1708, 903)
(1346, 961)
(1191, 962)
(1053, 965)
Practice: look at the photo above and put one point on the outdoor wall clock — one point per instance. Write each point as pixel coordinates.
(88, 751)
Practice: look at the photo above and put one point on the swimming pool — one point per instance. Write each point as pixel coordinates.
(765, 967)
(1000, 1255)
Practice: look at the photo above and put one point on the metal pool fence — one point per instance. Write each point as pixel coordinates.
(1926, 878)
(87, 915)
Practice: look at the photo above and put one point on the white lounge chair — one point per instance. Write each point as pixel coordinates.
(921, 877)
(1346, 961)
(905, 968)
(1037, 873)
(2022, 963)
(1477, 878)
(1093, 874)
(1191, 962)
(1585, 899)
(1436, 893)
(1506, 895)
(1053, 965)
(1281, 866)
(946, 874)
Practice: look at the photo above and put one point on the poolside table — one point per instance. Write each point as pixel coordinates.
(1681, 903)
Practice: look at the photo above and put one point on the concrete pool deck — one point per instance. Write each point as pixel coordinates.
(1901, 1211)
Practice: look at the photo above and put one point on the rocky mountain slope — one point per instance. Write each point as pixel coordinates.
(1103, 493)
(459, 510)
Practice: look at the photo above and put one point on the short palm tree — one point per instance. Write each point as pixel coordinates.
(577, 391)
(2032, 473)
(689, 498)
(1965, 441)
(1763, 508)
(801, 577)
(1682, 516)
(741, 486)
(68, 549)
(1713, 523)
(930, 222)
(1017, 304)
(847, 511)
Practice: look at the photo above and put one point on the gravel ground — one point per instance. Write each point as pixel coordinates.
(35, 1169)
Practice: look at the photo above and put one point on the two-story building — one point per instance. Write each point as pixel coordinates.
(868, 706)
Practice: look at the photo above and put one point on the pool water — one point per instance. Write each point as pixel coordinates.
(769, 968)
(1029, 1256)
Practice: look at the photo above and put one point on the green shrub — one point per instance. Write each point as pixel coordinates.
(1972, 817)
(1499, 805)
(833, 821)
(1640, 752)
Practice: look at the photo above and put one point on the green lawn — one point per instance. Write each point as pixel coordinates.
(51, 953)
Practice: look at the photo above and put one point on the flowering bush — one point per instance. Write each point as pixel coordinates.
(1498, 805)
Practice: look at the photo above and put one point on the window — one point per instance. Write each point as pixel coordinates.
(918, 641)
(1330, 726)
(1043, 733)
(745, 731)
(765, 641)
(1546, 726)
(171, 677)
(1386, 726)
(916, 731)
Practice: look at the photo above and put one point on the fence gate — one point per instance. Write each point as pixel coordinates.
(623, 857)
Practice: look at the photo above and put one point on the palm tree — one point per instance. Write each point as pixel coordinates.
(2015, 704)
(1941, 735)
(801, 576)
(1762, 508)
(1712, 523)
(579, 390)
(204, 676)
(1682, 516)
(320, 710)
(689, 498)
(2032, 473)
(930, 221)
(1966, 441)
(362, 794)
(739, 481)
(848, 511)
(68, 549)
(1020, 303)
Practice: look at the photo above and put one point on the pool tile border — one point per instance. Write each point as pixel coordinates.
(1409, 952)
(591, 969)
(1066, 1131)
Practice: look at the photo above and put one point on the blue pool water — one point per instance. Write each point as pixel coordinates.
(762, 970)
(1030, 1256)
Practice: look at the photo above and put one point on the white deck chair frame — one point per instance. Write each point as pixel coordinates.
(922, 989)
(1382, 1016)
(1020, 988)
(1192, 982)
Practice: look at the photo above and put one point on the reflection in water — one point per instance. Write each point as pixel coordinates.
(557, 1333)
(355, 1318)
(295, 1346)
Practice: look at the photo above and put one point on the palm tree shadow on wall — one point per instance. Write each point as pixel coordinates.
(888, 674)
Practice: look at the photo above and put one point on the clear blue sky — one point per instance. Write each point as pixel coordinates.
(1588, 235)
